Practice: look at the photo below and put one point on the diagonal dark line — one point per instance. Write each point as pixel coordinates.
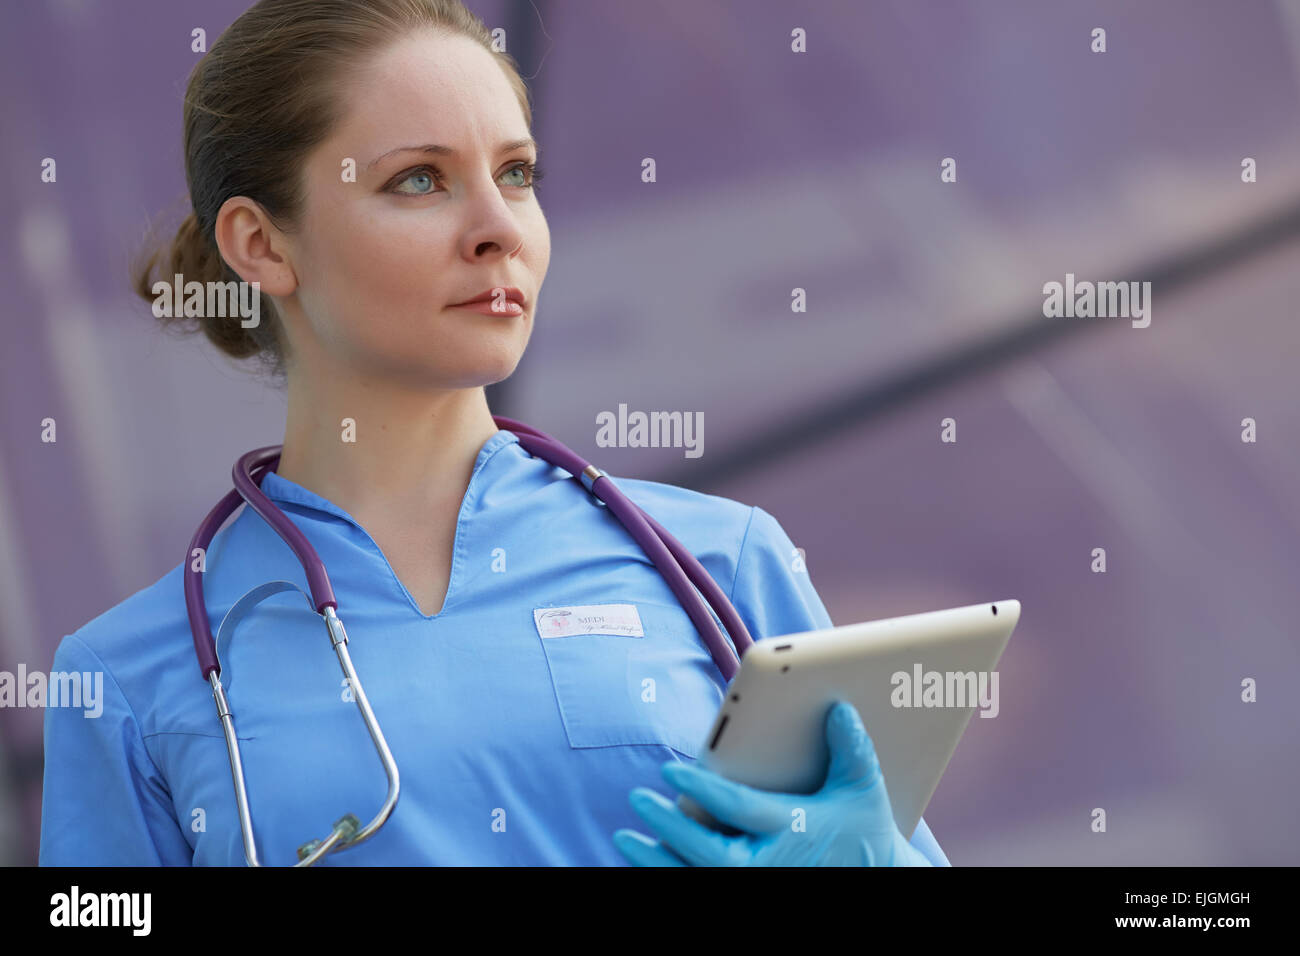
(825, 421)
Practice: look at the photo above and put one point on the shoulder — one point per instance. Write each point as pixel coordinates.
(713, 519)
(142, 646)
(128, 629)
(747, 551)
(707, 525)
(702, 522)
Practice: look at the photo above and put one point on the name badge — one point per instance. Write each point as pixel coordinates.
(620, 620)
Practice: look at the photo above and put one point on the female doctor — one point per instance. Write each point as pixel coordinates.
(369, 164)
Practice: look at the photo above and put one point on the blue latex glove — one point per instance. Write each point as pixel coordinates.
(848, 822)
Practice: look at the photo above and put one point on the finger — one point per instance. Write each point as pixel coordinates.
(735, 804)
(641, 850)
(689, 839)
(853, 755)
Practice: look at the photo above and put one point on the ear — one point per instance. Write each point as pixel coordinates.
(254, 247)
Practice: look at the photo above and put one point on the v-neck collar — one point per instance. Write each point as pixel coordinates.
(284, 491)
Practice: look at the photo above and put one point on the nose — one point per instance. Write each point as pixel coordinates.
(491, 224)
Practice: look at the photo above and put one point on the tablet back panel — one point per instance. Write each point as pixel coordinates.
(915, 680)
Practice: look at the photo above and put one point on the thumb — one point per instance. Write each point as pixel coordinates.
(853, 755)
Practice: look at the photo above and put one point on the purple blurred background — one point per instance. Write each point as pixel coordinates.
(779, 170)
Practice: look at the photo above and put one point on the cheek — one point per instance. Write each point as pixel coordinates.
(541, 258)
(538, 232)
(380, 275)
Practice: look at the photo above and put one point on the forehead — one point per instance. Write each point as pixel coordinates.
(434, 87)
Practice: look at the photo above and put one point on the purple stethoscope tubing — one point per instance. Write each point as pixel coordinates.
(683, 573)
(680, 569)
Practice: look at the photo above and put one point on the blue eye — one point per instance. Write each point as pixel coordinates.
(532, 175)
(421, 175)
(426, 178)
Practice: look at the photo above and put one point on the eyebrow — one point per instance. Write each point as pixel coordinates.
(448, 151)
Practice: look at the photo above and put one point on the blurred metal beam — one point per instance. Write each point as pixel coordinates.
(1030, 333)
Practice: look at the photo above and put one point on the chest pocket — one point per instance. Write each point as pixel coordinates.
(615, 690)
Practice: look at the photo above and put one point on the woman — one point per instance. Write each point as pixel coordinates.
(369, 165)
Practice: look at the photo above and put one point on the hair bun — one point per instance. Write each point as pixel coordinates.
(195, 258)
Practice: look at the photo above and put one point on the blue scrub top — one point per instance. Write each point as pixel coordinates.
(513, 748)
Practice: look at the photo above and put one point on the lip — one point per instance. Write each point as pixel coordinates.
(487, 296)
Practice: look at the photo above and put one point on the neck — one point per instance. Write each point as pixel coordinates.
(407, 460)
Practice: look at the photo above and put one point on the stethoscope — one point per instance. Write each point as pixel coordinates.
(678, 566)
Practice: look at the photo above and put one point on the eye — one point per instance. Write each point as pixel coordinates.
(421, 176)
(424, 178)
(531, 171)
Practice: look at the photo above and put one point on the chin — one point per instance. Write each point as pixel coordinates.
(486, 369)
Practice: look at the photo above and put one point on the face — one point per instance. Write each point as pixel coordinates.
(381, 261)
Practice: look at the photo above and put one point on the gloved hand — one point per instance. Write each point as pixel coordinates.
(848, 822)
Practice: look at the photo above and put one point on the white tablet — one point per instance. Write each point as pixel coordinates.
(915, 680)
